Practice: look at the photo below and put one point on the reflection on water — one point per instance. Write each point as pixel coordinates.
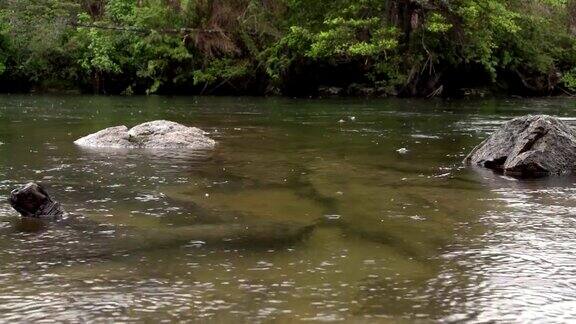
(524, 258)
(395, 237)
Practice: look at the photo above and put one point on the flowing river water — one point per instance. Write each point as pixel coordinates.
(401, 231)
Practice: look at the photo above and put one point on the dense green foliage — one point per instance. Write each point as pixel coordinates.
(293, 47)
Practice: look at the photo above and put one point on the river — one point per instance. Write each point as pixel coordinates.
(403, 232)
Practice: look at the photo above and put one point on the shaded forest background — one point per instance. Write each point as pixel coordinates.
(290, 47)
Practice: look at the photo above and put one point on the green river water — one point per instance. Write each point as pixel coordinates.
(399, 235)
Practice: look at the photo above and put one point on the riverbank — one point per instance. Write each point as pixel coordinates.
(353, 90)
(375, 48)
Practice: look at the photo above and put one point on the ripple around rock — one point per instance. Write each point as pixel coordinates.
(159, 134)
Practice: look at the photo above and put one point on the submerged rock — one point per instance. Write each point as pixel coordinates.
(159, 134)
(76, 237)
(529, 146)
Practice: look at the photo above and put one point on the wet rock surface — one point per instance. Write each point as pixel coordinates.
(159, 134)
(529, 146)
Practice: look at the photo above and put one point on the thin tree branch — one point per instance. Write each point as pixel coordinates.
(148, 30)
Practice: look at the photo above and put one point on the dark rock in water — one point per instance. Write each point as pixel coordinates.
(159, 134)
(529, 146)
(32, 200)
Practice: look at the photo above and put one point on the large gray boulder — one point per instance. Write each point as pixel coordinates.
(159, 134)
(529, 146)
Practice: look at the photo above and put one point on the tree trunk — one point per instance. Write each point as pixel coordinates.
(571, 10)
(94, 7)
(406, 15)
(97, 82)
(175, 5)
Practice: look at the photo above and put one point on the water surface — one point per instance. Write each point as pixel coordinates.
(401, 231)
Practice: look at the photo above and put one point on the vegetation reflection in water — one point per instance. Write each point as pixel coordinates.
(396, 236)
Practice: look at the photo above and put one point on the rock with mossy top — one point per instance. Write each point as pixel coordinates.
(159, 134)
(528, 146)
